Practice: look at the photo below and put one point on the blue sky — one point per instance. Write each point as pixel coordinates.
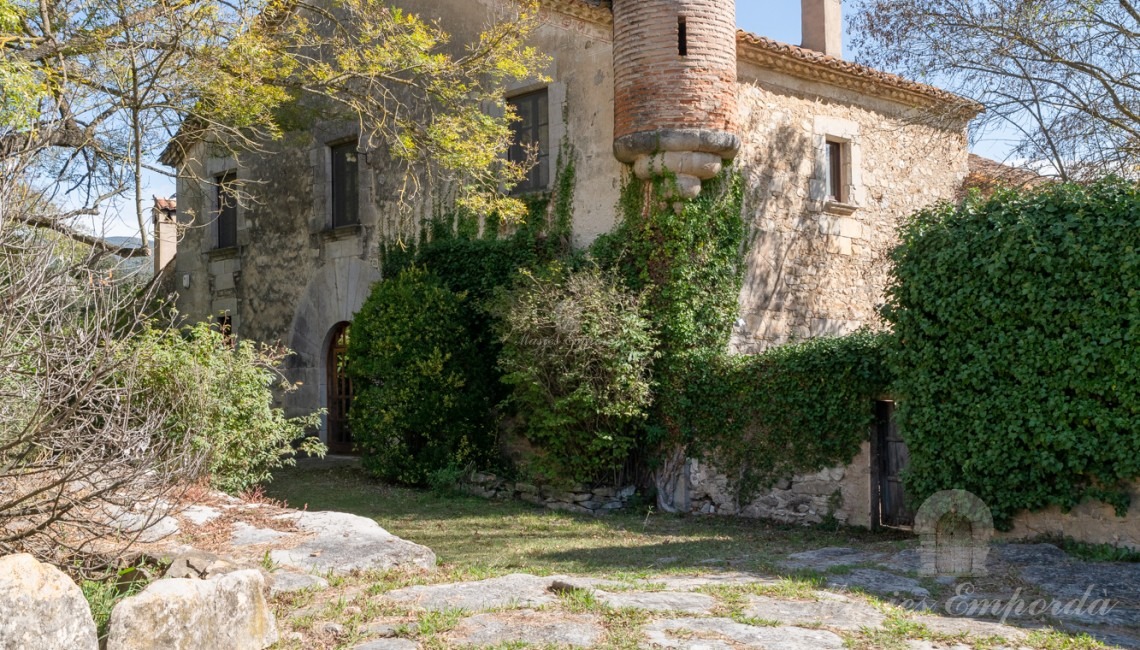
(778, 19)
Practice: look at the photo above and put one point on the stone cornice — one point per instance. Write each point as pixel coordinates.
(594, 11)
(815, 66)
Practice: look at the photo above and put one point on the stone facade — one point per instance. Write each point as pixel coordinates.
(815, 265)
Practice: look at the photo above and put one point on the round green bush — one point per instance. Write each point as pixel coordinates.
(417, 408)
(1017, 347)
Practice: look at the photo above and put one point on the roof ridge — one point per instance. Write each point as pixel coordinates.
(817, 66)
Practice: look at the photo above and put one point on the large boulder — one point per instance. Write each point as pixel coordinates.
(341, 543)
(41, 608)
(227, 611)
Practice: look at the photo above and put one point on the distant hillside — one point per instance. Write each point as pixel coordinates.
(143, 266)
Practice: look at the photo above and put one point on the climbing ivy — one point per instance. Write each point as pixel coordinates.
(1017, 347)
(449, 274)
(760, 418)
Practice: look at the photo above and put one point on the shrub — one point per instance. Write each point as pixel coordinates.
(219, 395)
(418, 406)
(1016, 325)
(81, 435)
(577, 353)
(688, 264)
(794, 409)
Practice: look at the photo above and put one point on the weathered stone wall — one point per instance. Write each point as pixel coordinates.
(1092, 522)
(840, 493)
(581, 499)
(817, 268)
(292, 279)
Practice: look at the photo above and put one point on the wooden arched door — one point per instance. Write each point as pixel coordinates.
(339, 391)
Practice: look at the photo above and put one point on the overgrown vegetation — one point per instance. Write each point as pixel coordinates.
(577, 353)
(795, 409)
(689, 265)
(461, 261)
(81, 437)
(218, 395)
(612, 363)
(1015, 347)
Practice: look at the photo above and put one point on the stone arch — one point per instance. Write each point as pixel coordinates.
(333, 295)
(954, 529)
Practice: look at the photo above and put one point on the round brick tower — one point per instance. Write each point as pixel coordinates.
(675, 88)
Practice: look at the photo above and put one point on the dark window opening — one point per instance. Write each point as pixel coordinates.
(227, 211)
(682, 37)
(226, 328)
(835, 171)
(345, 185)
(531, 134)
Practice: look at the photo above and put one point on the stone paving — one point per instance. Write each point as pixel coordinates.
(720, 611)
(841, 597)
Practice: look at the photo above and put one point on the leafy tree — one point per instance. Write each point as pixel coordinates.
(1063, 76)
(92, 90)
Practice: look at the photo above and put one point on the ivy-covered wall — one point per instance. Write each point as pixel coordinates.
(1016, 325)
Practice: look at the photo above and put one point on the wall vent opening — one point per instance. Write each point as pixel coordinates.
(682, 37)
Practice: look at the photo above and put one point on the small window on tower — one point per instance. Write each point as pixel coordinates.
(682, 37)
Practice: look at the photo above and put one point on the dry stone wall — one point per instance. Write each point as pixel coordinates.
(580, 499)
(842, 494)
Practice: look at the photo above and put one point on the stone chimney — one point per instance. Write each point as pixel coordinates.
(165, 212)
(823, 26)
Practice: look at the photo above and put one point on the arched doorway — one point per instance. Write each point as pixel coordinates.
(339, 386)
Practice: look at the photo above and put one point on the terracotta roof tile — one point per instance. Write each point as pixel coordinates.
(988, 175)
(816, 66)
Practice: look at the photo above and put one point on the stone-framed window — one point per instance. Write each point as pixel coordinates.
(836, 183)
(532, 133)
(837, 168)
(344, 184)
(226, 209)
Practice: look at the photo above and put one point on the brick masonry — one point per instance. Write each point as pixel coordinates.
(655, 87)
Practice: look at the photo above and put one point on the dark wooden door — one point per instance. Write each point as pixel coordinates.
(339, 391)
(892, 458)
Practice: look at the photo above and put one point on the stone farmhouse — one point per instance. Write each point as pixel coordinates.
(834, 155)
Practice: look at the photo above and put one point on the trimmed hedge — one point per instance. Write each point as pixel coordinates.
(1017, 347)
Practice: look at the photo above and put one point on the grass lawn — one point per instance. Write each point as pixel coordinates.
(477, 538)
(508, 536)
